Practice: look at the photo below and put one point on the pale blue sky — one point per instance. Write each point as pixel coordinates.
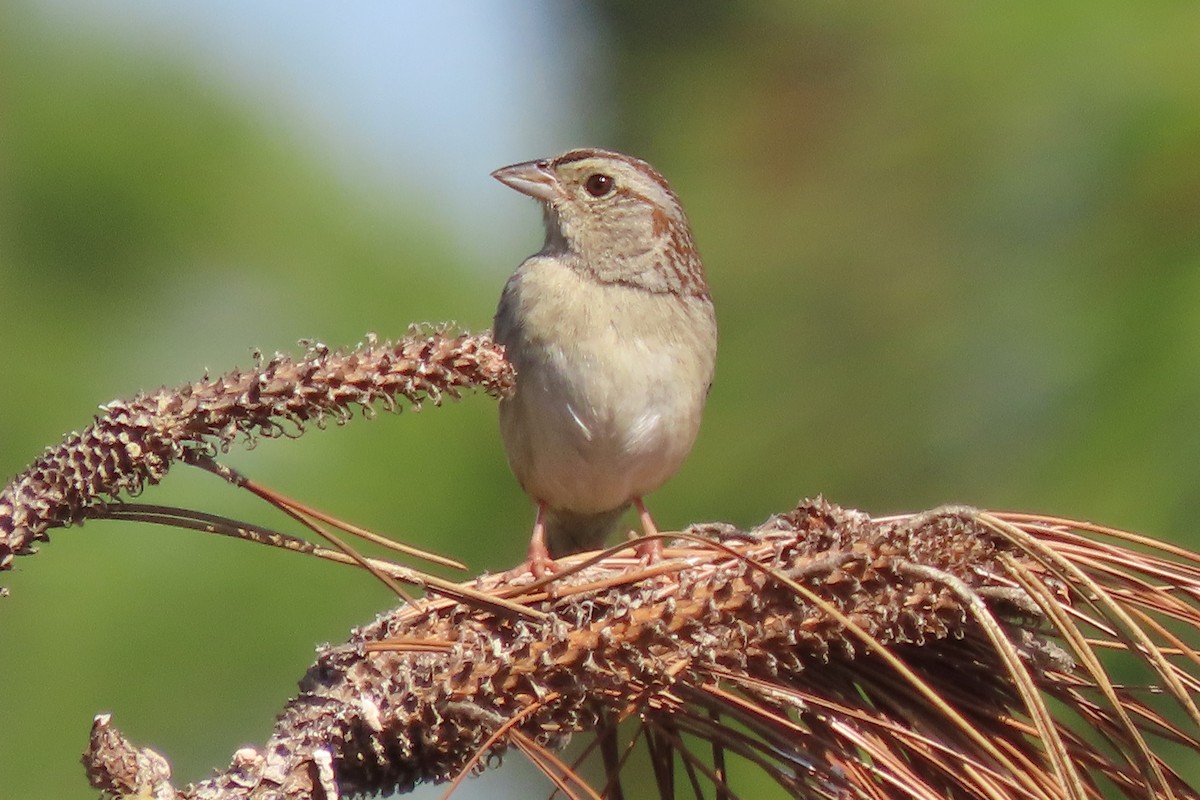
(394, 94)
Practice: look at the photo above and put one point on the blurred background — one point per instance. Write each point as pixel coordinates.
(955, 253)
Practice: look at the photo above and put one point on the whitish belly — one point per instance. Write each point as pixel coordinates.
(589, 432)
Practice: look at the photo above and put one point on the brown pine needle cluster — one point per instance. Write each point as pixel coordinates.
(956, 653)
(133, 443)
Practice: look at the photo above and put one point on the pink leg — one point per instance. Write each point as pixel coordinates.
(652, 550)
(540, 562)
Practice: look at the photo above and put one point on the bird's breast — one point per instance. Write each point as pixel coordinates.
(611, 382)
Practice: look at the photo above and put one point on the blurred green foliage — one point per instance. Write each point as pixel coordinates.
(955, 252)
(153, 226)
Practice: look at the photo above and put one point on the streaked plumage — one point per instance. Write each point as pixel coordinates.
(612, 332)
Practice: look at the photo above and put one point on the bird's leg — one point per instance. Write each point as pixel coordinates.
(651, 550)
(539, 560)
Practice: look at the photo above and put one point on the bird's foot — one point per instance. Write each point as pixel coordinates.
(537, 559)
(649, 550)
(538, 567)
(540, 564)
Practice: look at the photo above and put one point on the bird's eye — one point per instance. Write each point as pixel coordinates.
(599, 184)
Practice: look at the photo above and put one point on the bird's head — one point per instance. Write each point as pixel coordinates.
(615, 217)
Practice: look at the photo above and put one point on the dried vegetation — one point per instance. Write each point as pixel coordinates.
(955, 653)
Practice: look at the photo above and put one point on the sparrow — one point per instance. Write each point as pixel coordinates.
(612, 332)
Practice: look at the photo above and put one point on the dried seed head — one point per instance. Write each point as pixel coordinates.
(133, 443)
(789, 632)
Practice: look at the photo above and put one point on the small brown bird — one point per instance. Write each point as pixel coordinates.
(612, 332)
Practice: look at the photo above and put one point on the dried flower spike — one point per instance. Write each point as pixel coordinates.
(134, 442)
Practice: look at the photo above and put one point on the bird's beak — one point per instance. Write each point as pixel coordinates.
(533, 178)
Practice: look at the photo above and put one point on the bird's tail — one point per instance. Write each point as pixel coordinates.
(570, 532)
